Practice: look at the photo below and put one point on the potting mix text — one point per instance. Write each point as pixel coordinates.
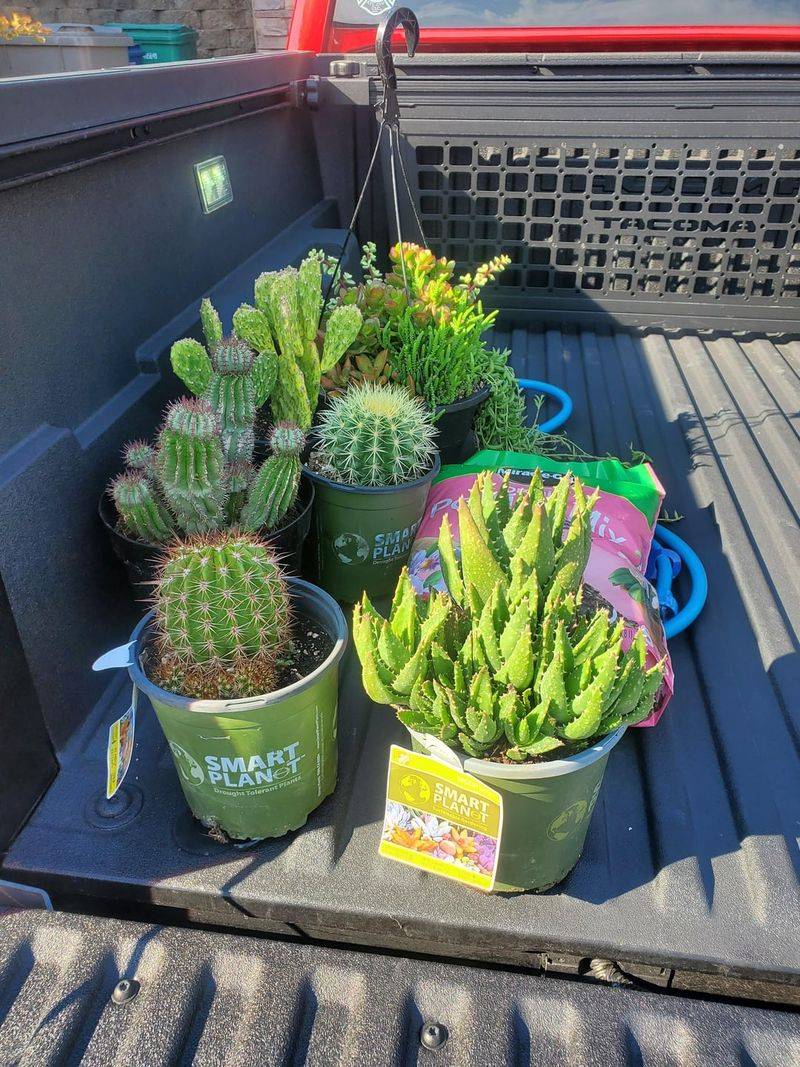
(241, 772)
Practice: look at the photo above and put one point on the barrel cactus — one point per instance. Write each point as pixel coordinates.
(275, 487)
(374, 435)
(508, 662)
(191, 466)
(221, 618)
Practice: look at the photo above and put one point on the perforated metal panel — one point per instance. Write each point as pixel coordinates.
(671, 220)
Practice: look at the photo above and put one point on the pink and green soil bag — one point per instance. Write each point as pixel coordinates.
(623, 522)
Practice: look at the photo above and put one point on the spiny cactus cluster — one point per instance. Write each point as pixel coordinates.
(284, 323)
(507, 663)
(186, 486)
(191, 466)
(221, 618)
(275, 486)
(374, 435)
(233, 378)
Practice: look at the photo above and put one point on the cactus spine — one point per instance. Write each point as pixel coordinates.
(507, 662)
(191, 466)
(221, 618)
(374, 435)
(139, 508)
(274, 489)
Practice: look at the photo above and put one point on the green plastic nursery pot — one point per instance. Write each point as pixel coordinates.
(256, 767)
(361, 537)
(546, 809)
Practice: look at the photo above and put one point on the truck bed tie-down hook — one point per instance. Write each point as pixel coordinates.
(388, 111)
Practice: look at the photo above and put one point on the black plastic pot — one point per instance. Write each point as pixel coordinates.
(141, 559)
(456, 439)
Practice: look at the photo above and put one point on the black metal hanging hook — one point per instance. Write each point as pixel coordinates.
(400, 16)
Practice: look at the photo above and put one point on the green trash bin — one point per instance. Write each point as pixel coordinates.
(161, 42)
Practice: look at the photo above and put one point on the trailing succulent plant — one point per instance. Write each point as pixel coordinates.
(221, 618)
(274, 488)
(285, 324)
(429, 337)
(234, 377)
(186, 486)
(374, 436)
(507, 663)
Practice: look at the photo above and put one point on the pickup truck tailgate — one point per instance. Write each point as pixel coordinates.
(219, 999)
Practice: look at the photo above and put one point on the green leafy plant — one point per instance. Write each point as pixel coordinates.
(507, 663)
(221, 618)
(374, 435)
(428, 338)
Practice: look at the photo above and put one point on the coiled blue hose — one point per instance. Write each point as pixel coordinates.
(697, 573)
(561, 416)
(698, 595)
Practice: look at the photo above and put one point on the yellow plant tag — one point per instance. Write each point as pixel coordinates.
(120, 747)
(441, 819)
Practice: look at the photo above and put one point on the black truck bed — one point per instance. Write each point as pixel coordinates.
(211, 998)
(691, 863)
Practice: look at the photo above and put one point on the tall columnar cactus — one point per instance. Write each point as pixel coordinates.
(221, 618)
(274, 489)
(374, 435)
(139, 507)
(508, 661)
(235, 375)
(288, 305)
(231, 393)
(191, 466)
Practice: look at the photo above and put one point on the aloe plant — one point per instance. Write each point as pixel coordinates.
(507, 662)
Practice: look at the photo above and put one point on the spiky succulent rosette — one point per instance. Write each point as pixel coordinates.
(221, 618)
(374, 435)
(508, 662)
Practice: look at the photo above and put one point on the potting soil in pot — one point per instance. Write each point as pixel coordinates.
(623, 522)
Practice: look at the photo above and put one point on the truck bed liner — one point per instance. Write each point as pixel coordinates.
(692, 859)
(216, 998)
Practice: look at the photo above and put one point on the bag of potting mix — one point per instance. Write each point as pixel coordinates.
(623, 522)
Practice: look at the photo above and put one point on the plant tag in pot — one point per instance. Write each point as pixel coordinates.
(120, 747)
(441, 819)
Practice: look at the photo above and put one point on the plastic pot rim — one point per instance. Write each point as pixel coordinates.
(525, 771)
(345, 487)
(474, 398)
(328, 607)
(106, 509)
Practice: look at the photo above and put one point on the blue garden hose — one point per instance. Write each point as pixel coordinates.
(563, 398)
(699, 592)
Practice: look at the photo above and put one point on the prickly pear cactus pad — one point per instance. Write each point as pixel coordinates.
(221, 618)
(508, 662)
